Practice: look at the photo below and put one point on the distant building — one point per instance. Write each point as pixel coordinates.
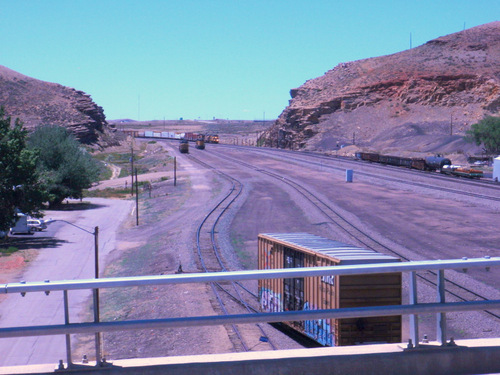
(496, 169)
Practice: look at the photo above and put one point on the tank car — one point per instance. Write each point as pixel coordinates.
(437, 162)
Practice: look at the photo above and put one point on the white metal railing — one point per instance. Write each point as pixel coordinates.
(413, 309)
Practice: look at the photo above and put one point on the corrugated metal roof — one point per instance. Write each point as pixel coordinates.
(346, 254)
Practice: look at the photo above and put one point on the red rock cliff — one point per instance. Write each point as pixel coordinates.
(443, 86)
(37, 102)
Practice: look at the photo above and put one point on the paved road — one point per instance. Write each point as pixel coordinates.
(71, 258)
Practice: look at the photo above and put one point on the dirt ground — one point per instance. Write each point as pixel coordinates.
(164, 241)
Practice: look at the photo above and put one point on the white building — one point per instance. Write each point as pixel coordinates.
(496, 169)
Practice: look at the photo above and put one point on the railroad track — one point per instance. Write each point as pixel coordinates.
(453, 288)
(384, 177)
(229, 296)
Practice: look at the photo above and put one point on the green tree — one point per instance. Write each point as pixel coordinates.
(65, 166)
(20, 185)
(487, 133)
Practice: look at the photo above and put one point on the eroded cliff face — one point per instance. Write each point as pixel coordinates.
(37, 102)
(440, 88)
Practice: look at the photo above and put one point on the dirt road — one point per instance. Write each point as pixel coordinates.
(70, 257)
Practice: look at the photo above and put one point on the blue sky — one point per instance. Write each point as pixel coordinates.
(199, 59)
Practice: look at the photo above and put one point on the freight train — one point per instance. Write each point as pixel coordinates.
(208, 138)
(293, 250)
(429, 163)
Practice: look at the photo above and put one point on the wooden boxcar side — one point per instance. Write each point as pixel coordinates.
(365, 291)
(291, 250)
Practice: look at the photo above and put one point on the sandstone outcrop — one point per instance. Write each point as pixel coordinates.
(435, 90)
(37, 102)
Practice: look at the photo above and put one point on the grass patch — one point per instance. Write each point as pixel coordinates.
(9, 250)
(105, 174)
(125, 171)
(107, 193)
(239, 248)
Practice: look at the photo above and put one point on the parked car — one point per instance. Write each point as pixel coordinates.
(37, 225)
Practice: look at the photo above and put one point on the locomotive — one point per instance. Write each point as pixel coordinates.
(208, 138)
(200, 142)
(184, 146)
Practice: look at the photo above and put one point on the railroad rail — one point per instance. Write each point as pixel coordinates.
(361, 236)
(212, 260)
(489, 184)
(429, 175)
(440, 308)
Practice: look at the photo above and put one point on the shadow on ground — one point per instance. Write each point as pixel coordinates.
(28, 242)
(77, 206)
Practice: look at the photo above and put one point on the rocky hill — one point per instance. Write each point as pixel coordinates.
(423, 98)
(37, 102)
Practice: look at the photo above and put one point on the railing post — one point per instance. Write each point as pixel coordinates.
(441, 317)
(66, 321)
(413, 317)
(97, 334)
(96, 298)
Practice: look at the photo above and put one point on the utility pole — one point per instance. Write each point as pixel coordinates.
(175, 170)
(132, 170)
(451, 124)
(136, 199)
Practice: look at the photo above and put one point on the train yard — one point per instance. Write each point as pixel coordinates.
(226, 196)
(237, 162)
(233, 297)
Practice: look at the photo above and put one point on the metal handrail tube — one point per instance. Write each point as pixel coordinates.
(355, 312)
(48, 286)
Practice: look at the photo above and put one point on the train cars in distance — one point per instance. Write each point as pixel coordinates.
(459, 171)
(291, 250)
(436, 163)
(208, 138)
(430, 163)
(184, 146)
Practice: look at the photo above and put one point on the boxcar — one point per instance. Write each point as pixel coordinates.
(291, 250)
(418, 163)
(370, 156)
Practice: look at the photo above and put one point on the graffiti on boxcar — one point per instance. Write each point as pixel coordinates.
(270, 301)
(319, 329)
(269, 258)
(328, 279)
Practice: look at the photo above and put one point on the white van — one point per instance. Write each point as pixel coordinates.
(21, 226)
